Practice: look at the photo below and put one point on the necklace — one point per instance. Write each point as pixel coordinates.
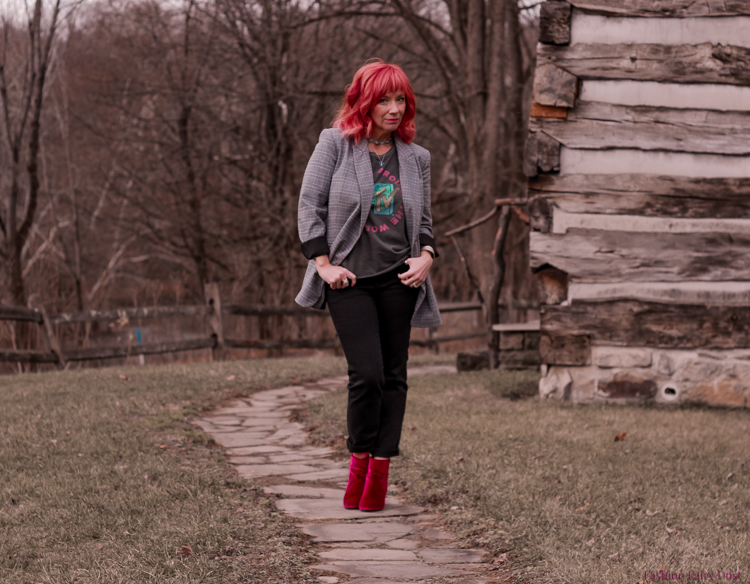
(379, 143)
(381, 157)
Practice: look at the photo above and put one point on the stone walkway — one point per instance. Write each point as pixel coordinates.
(397, 545)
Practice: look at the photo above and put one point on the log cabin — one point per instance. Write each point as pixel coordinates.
(638, 160)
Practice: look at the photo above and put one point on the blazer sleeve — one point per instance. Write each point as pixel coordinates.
(425, 227)
(313, 199)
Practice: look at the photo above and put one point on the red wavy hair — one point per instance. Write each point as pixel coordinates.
(374, 80)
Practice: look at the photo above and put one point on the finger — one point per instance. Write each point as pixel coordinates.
(352, 278)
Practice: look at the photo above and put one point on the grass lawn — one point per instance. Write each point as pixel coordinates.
(102, 480)
(547, 484)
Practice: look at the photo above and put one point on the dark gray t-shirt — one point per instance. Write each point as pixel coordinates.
(384, 244)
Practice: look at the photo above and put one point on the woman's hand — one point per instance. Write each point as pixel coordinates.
(418, 270)
(335, 276)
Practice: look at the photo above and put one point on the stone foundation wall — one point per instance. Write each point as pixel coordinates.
(622, 374)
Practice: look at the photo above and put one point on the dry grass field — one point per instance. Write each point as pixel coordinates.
(102, 479)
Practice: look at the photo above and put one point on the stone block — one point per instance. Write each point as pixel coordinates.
(408, 570)
(368, 555)
(621, 357)
(374, 532)
(302, 491)
(321, 475)
(556, 384)
(334, 509)
(628, 385)
(439, 555)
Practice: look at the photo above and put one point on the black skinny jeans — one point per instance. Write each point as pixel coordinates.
(373, 322)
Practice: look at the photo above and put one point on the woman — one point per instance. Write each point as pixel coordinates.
(366, 227)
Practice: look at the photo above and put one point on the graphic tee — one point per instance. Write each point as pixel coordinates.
(384, 244)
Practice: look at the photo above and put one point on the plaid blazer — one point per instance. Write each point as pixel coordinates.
(334, 203)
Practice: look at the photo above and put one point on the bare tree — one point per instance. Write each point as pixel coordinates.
(25, 61)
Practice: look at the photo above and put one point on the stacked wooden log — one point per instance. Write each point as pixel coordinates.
(639, 166)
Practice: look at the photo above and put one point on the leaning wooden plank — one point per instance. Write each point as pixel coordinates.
(595, 28)
(646, 195)
(673, 118)
(705, 63)
(150, 349)
(126, 314)
(7, 356)
(641, 135)
(651, 324)
(620, 256)
(663, 8)
(20, 313)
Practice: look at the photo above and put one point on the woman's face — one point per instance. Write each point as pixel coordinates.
(387, 113)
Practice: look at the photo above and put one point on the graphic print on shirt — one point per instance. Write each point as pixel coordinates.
(383, 199)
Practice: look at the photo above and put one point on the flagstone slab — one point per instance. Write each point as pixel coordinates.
(237, 439)
(409, 570)
(267, 470)
(368, 555)
(334, 509)
(451, 556)
(296, 456)
(225, 420)
(300, 491)
(247, 459)
(322, 475)
(377, 532)
(265, 422)
(296, 440)
(404, 544)
(249, 450)
(314, 450)
(316, 463)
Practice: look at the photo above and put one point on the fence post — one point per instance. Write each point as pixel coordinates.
(214, 322)
(52, 343)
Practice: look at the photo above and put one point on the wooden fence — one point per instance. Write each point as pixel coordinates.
(213, 313)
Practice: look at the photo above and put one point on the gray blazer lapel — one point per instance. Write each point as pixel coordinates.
(407, 166)
(363, 168)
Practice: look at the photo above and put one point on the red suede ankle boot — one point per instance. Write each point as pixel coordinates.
(376, 486)
(355, 486)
